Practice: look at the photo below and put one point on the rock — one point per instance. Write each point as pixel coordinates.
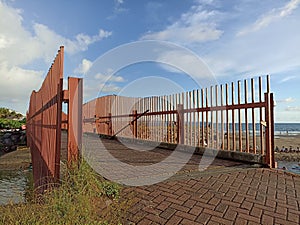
(11, 140)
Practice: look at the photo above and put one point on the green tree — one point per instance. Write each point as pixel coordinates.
(10, 119)
(6, 113)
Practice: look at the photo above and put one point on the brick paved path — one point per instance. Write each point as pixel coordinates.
(226, 193)
(250, 196)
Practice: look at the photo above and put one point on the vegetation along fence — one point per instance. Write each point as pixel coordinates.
(233, 120)
(44, 123)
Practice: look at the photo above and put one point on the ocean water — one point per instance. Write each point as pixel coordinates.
(293, 167)
(279, 128)
(287, 128)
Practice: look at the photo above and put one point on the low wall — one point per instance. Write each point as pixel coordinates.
(230, 155)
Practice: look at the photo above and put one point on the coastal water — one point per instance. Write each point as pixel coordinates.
(287, 128)
(13, 186)
(279, 128)
(293, 167)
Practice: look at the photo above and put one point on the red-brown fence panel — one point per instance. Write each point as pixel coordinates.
(45, 120)
(233, 118)
(44, 125)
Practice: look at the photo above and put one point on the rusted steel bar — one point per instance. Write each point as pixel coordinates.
(109, 125)
(240, 118)
(222, 117)
(206, 120)
(246, 116)
(135, 118)
(204, 109)
(180, 121)
(189, 128)
(173, 119)
(269, 139)
(268, 83)
(233, 118)
(176, 117)
(217, 119)
(227, 116)
(253, 116)
(202, 119)
(195, 122)
(260, 117)
(272, 154)
(211, 119)
(131, 122)
(169, 123)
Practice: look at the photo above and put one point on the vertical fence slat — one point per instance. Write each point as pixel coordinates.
(240, 118)
(211, 140)
(217, 119)
(253, 116)
(222, 117)
(227, 116)
(260, 117)
(233, 118)
(246, 116)
(206, 119)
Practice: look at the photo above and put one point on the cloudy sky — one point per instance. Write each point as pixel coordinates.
(234, 38)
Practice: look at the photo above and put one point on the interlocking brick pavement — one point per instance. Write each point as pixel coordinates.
(240, 202)
(226, 193)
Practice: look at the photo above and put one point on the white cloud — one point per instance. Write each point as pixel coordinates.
(118, 8)
(20, 46)
(92, 91)
(17, 84)
(270, 17)
(109, 78)
(187, 62)
(269, 51)
(47, 40)
(286, 100)
(293, 108)
(195, 26)
(109, 88)
(288, 78)
(84, 66)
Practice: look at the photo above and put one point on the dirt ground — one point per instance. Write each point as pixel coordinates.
(16, 160)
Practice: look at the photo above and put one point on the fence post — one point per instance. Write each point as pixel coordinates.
(135, 123)
(58, 130)
(109, 123)
(75, 87)
(180, 122)
(269, 116)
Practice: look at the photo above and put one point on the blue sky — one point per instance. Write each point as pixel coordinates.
(235, 39)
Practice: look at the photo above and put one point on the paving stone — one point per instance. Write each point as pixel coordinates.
(222, 194)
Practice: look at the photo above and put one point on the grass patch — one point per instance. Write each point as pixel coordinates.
(82, 198)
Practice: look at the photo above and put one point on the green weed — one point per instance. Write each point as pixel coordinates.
(83, 197)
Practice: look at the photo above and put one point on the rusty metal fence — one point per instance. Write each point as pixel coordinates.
(44, 123)
(233, 118)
